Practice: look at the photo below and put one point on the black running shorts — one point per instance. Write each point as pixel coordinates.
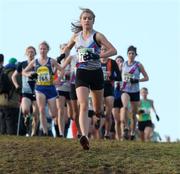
(108, 90)
(73, 95)
(92, 79)
(143, 124)
(134, 97)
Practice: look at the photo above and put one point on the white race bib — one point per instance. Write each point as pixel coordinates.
(82, 52)
(127, 77)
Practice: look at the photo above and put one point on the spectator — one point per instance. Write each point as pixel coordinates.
(9, 101)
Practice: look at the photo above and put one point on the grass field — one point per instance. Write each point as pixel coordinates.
(49, 155)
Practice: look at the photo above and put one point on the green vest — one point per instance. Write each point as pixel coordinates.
(146, 106)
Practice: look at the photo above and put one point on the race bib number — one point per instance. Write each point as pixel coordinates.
(105, 73)
(82, 52)
(127, 77)
(106, 77)
(44, 77)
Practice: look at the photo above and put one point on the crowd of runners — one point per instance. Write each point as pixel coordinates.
(99, 96)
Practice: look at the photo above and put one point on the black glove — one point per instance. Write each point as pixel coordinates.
(61, 57)
(133, 81)
(141, 111)
(157, 117)
(34, 76)
(91, 56)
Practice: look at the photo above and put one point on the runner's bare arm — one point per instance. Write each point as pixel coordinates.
(70, 44)
(110, 49)
(27, 71)
(144, 73)
(14, 79)
(67, 61)
(56, 65)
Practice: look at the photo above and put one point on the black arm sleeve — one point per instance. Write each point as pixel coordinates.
(60, 58)
(116, 74)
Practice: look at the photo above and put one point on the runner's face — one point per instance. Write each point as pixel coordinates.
(144, 93)
(87, 20)
(30, 53)
(43, 50)
(131, 55)
(119, 61)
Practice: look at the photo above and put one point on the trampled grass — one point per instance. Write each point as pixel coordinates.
(49, 155)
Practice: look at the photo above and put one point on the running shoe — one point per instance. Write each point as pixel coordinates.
(61, 136)
(125, 134)
(84, 142)
(107, 137)
(132, 136)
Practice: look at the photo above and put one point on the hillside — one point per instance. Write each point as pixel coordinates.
(49, 155)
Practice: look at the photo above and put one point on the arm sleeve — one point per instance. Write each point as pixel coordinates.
(116, 73)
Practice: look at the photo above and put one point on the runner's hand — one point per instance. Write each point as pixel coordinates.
(141, 111)
(33, 76)
(133, 81)
(157, 117)
(91, 56)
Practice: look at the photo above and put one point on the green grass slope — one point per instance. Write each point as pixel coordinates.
(49, 155)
